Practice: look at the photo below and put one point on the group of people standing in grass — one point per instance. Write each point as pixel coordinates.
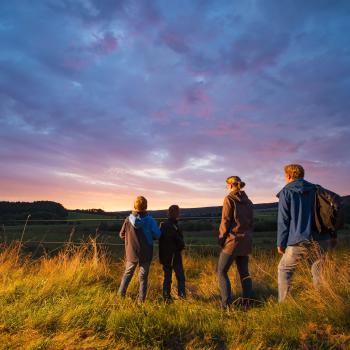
(297, 239)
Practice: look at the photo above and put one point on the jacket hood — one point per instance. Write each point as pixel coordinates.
(239, 196)
(299, 186)
(138, 220)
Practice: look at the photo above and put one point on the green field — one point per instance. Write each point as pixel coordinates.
(85, 225)
(40, 237)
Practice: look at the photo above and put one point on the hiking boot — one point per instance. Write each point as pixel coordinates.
(167, 298)
(242, 304)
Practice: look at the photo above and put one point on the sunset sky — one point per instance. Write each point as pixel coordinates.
(103, 100)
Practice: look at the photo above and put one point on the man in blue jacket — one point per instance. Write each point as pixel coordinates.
(297, 238)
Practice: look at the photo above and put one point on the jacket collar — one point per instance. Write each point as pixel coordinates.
(172, 221)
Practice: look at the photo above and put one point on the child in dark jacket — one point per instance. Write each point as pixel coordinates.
(171, 243)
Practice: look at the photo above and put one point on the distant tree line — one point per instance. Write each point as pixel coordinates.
(90, 211)
(10, 212)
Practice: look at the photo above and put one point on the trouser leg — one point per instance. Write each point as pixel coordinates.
(143, 278)
(180, 275)
(128, 273)
(224, 264)
(167, 269)
(286, 269)
(246, 281)
(318, 255)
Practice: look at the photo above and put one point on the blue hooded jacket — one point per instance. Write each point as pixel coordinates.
(295, 221)
(148, 224)
(138, 231)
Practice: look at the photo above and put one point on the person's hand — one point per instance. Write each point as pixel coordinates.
(281, 250)
(221, 241)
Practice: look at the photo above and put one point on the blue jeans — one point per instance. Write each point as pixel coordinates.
(143, 278)
(224, 264)
(312, 252)
(177, 266)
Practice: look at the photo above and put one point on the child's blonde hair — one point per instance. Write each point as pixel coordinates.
(295, 171)
(140, 203)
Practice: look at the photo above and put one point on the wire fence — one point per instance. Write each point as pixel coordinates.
(110, 244)
(187, 218)
(29, 221)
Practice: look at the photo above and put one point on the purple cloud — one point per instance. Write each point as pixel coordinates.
(102, 100)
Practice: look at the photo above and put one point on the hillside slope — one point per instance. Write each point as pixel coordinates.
(201, 211)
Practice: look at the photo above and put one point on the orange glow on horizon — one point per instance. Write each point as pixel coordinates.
(113, 203)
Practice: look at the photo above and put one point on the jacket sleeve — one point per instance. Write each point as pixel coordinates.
(226, 218)
(155, 229)
(180, 239)
(161, 227)
(122, 231)
(283, 220)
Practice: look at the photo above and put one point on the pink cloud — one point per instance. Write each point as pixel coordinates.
(195, 102)
(280, 146)
(175, 41)
(239, 128)
(74, 63)
(105, 45)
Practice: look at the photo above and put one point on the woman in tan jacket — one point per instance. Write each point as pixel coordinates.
(235, 239)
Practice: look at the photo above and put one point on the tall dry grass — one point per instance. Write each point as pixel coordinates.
(70, 302)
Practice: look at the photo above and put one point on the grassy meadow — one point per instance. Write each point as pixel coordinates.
(64, 296)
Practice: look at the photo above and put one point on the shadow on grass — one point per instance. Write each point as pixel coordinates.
(260, 295)
(263, 293)
(192, 341)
